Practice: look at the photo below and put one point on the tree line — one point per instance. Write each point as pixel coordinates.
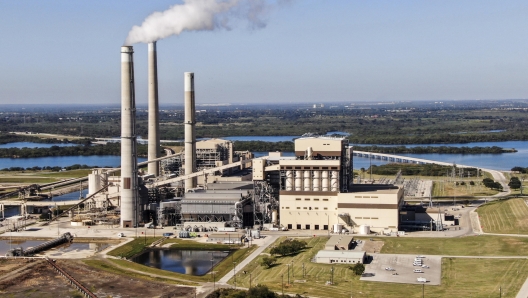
(434, 149)
(82, 150)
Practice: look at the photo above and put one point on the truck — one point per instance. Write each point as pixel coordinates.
(421, 279)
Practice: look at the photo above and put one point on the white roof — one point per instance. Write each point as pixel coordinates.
(340, 254)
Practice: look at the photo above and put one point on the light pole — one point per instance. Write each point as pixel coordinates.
(332, 275)
(234, 272)
(282, 277)
(288, 273)
(293, 274)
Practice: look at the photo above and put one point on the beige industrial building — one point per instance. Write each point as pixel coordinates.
(316, 192)
(340, 257)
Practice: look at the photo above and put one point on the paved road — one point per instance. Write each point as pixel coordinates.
(207, 288)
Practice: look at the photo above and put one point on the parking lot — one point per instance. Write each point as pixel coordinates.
(401, 269)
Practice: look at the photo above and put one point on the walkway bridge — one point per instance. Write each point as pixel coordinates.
(404, 159)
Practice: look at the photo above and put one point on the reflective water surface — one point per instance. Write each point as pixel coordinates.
(194, 262)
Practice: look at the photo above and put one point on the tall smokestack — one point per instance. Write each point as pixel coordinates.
(190, 138)
(153, 110)
(128, 140)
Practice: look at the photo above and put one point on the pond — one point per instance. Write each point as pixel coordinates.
(193, 262)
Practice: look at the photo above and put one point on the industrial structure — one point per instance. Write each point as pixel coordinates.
(210, 186)
(314, 190)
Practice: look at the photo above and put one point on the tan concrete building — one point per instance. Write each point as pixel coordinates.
(316, 190)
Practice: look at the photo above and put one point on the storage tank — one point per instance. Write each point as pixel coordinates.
(298, 180)
(316, 180)
(289, 180)
(324, 180)
(364, 229)
(338, 228)
(307, 180)
(255, 234)
(274, 217)
(334, 178)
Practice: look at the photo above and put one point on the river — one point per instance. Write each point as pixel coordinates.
(504, 161)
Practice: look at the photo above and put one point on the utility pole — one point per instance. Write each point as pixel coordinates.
(282, 277)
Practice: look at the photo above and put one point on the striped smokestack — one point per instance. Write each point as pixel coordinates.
(153, 110)
(128, 140)
(190, 138)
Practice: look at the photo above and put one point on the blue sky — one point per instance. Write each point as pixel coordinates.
(310, 51)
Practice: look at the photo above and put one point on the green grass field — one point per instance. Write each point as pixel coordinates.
(460, 277)
(483, 245)
(504, 217)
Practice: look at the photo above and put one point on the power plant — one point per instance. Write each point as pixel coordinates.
(210, 186)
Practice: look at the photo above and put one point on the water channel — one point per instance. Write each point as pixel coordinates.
(193, 262)
(6, 245)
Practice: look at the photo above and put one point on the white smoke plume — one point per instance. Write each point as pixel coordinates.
(197, 15)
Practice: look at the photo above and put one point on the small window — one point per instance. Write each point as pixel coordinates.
(307, 227)
(305, 207)
(298, 207)
(297, 199)
(357, 217)
(289, 226)
(282, 207)
(298, 227)
(325, 199)
(374, 218)
(287, 207)
(325, 227)
(357, 197)
(366, 217)
(374, 197)
(316, 168)
(316, 208)
(316, 227)
(306, 199)
(325, 208)
(316, 199)
(366, 197)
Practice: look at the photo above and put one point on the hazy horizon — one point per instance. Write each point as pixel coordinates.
(63, 52)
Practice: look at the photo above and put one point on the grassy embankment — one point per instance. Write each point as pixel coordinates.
(40, 177)
(504, 217)
(109, 267)
(486, 274)
(136, 246)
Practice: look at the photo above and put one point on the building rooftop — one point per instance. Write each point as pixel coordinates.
(377, 188)
(339, 241)
(340, 254)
